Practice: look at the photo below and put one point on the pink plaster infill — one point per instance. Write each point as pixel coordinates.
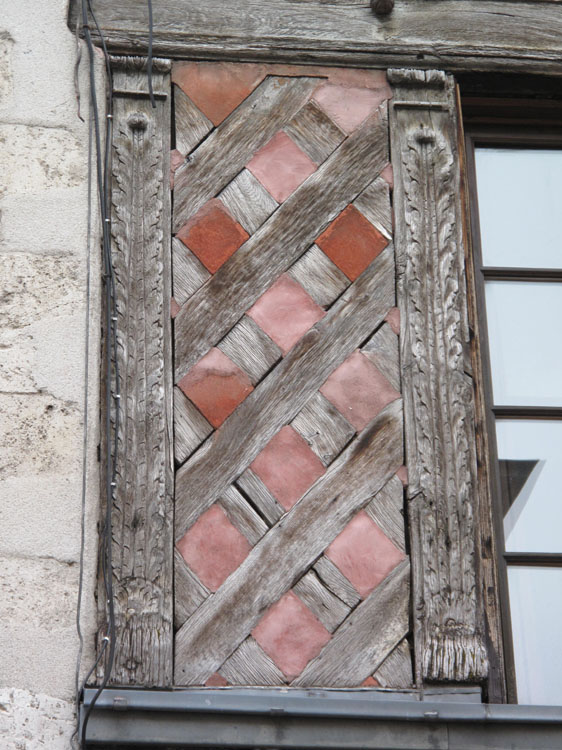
(285, 312)
(216, 386)
(348, 106)
(364, 554)
(402, 475)
(213, 548)
(291, 635)
(393, 319)
(287, 467)
(216, 680)
(176, 160)
(281, 166)
(174, 308)
(387, 173)
(358, 390)
(370, 682)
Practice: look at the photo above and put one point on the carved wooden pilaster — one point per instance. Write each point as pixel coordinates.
(142, 546)
(438, 391)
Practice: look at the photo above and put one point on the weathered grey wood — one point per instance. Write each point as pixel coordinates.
(225, 619)
(187, 270)
(189, 592)
(336, 582)
(260, 496)
(250, 348)
(242, 515)
(314, 132)
(396, 669)
(365, 639)
(318, 276)
(228, 149)
(250, 665)
(459, 35)
(329, 609)
(323, 427)
(141, 534)
(374, 204)
(387, 511)
(248, 201)
(190, 427)
(191, 125)
(215, 308)
(438, 395)
(382, 350)
(272, 403)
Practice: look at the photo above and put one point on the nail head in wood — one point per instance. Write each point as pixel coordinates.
(382, 7)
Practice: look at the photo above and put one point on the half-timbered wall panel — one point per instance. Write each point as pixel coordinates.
(290, 563)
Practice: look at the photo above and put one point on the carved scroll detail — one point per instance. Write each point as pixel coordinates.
(439, 400)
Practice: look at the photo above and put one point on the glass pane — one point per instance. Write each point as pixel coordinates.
(530, 453)
(525, 342)
(535, 596)
(519, 199)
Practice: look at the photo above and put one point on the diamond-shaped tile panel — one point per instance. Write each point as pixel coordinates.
(348, 106)
(364, 554)
(285, 312)
(213, 548)
(216, 386)
(351, 242)
(291, 635)
(358, 390)
(281, 166)
(212, 235)
(287, 467)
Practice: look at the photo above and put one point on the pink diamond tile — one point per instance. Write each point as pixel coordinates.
(364, 554)
(287, 466)
(348, 106)
(286, 312)
(358, 390)
(291, 635)
(213, 548)
(216, 386)
(281, 166)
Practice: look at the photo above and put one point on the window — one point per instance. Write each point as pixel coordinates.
(516, 191)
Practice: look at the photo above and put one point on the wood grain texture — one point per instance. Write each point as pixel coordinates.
(313, 131)
(459, 35)
(251, 349)
(387, 510)
(224, 620)
(242, 515)
(261, 498)
(336, 582)
(327, 607)
(248, 201)
(323, 427)
(143, 497)
(318, 276)
(228, 149)
(396, 669)
(366, 638)
(438, 395)
(188, 272)
(374, 204)
(273, 403)
(189, 592)
(250, 665)
(382, 351)
(191, 125)
(215, 308)
(190, 427)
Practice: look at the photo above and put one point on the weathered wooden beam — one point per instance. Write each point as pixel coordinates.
(459, 35)
(142, 547)
(438, 392)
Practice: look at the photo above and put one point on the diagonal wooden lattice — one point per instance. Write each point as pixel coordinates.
(290, 563)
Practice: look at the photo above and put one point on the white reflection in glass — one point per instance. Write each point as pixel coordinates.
(533, 514)
(536, 619)
(525, 342)
(519, 199)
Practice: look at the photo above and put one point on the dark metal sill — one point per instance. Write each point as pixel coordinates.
(295, 719)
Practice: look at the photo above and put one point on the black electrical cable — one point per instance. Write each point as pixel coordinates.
(149, 58)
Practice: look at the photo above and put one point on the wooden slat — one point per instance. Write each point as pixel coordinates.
(273, 403)
(191, 124)
(329, 609)
(336, 582)
(242, 515)
(187, 271)
(387, 511)
(365, 639)
(321, 278)
(189, 592)
(229, 148)
(382, 350)
(250, 348)
(190, 427)
(248, 201)
(323, 427)
(250, 665)
(224, 620)
(260, 496)
(314, 132)
(396, 669)
(214, 309)
(374, 204)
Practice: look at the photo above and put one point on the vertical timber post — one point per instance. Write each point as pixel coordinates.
(437, 385)
(142, 527)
